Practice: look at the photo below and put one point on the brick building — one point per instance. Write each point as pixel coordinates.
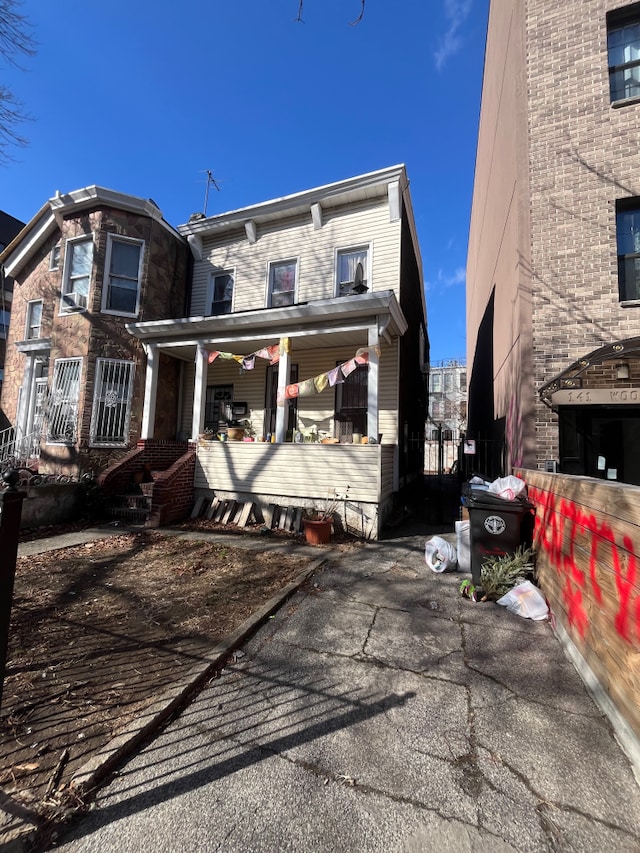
(87, 264)
(9, 227)
(553, 274)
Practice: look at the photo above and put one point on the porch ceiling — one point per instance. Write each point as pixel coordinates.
(324, 323)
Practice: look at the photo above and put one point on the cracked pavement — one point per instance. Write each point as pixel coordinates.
(378, 710)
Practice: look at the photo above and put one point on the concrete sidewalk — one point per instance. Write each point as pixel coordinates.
(380, 711)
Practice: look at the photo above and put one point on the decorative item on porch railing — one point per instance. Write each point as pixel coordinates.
(335, 376)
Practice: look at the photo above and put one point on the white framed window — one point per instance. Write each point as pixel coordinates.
(220, 296)
(436, 382)
(78, 264)
(122, 275)
(62, 427)
(34, 320)
(111, 403)
(54, 258)
(347, 271)
(282, 284)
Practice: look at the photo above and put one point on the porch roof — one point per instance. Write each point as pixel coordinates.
(340, 321)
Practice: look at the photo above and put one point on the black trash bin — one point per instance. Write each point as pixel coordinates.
(497, 527)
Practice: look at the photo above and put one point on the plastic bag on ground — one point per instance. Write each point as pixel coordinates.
(440, 555)
(526, 600)
(463, 545)
(508, 488)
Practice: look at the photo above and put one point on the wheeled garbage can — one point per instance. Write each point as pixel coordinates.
(497, 527)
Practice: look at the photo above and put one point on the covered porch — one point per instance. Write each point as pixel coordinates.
(316, 387)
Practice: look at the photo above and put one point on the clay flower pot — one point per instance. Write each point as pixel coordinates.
(235, 433)
(317, 531)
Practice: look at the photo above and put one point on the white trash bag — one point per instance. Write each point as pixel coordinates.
(526, 600)
(508, 488)
(440, 555)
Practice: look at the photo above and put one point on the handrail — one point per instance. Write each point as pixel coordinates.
(18, 451)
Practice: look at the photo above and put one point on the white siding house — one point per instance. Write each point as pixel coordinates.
(307, 322)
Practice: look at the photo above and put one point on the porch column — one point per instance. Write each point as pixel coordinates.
(199, 391)
(284, 366)
(372, 390)
(150, 391)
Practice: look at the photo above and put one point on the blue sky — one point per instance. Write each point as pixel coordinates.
(144, 96)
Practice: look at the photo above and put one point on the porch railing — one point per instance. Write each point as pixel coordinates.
(18, 451)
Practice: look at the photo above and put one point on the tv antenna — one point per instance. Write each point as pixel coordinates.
(210, 181)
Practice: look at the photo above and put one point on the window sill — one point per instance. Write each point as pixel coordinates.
(630, 303)
(625, 102)
(119, 313)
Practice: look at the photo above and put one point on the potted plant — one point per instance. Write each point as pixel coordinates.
(318, 521)
(237, 429)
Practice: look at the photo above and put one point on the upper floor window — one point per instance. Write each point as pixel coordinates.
(282, 284)
(220, 293)
(4, 323)
(54, 258)
(463, 381)
(352, 271)
(34, 320)
(623, 41)
(123, 273)
(436, 382)
(77, 274)
(628, 238)
(111, 402)
(448, 381)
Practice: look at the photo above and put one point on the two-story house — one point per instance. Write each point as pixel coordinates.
(87, 263)
(307, 320)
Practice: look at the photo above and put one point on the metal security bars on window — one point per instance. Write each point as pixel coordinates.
(111, 402)
(63, 404)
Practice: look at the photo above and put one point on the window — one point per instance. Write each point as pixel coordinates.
(63, 409)
(282, 284)
(463, 381)
(628, 238)
(352, 398)
(123, 271)
(77, 274)
(437, 409)
(270, 403)
(623, 42)
(34, 320)
(54, 258)
(5, 316)
(221, 293)
(448, 381)
(348, 261)
(217, 407)
(111, 402)
(436, 382)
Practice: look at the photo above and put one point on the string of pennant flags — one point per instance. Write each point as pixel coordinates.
(316, 385)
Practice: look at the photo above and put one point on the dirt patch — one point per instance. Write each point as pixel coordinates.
(98, 630)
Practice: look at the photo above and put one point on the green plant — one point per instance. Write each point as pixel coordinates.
(327, 509)
(501, 573)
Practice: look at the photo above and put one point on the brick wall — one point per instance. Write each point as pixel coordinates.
(583, 155)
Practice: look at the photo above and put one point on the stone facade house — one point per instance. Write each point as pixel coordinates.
(88, 263)
(553, 272)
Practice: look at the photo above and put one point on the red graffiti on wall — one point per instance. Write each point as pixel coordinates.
(558, 523)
